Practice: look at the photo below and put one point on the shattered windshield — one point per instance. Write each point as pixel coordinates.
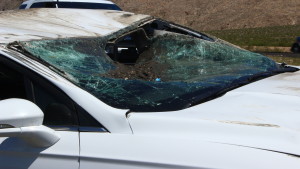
(156, 67)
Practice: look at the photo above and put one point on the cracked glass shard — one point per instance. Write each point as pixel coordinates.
(167, 73)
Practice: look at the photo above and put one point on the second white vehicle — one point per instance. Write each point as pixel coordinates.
(76, 4)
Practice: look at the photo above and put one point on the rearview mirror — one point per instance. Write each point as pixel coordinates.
(23, 119)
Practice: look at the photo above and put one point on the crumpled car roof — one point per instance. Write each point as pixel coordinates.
(27, 25)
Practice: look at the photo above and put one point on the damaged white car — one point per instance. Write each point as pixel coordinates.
(106, 89)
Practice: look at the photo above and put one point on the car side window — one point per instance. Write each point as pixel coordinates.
(87, 5)
(23, 6)
(59, 110)
(43, 5)
(11, 84)
(57, 107)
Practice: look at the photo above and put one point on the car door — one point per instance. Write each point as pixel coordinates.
(59, 114)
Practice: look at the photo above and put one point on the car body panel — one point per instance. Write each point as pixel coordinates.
(16, 154)
(100, 150)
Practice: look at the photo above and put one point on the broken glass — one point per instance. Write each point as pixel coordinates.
(169, 72)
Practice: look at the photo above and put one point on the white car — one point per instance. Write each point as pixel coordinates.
(122, 90)
(75, 4)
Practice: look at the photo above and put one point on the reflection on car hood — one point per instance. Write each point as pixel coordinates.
(263, 115)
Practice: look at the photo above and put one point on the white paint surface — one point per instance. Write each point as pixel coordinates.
(17, 154)
(43, 23)
(264, 114)
(110, 151)
(20, 113)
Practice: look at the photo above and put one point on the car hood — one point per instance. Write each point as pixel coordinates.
(263, 115)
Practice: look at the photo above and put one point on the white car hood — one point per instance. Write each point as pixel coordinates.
(264, 115)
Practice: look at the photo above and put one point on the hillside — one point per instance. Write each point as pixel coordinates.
(206, 15)
(219, 14)
(279, 36)
(9, 4)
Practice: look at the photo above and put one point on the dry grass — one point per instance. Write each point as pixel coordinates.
(9, 4)
(219, 14)
(282, 36)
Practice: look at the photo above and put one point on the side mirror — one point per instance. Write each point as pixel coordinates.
(23, 119)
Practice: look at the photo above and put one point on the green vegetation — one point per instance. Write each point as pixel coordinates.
(288, 59)
(283, 36)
